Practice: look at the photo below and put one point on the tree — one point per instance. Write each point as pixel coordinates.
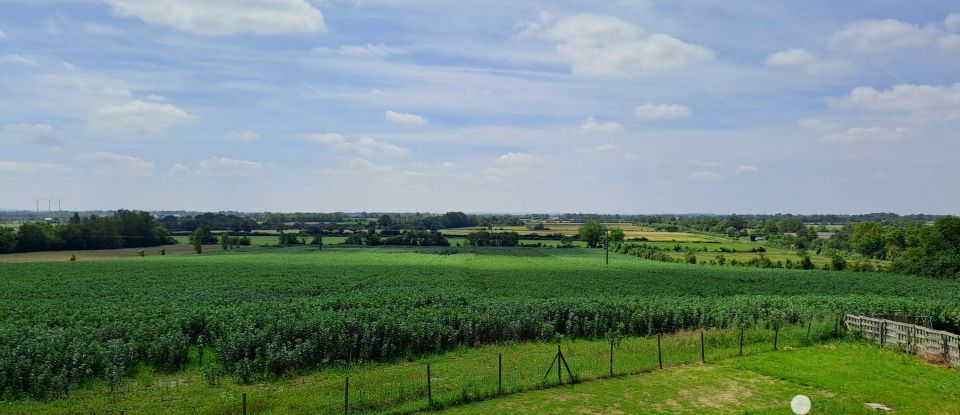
(197, 241)
(225, 241)
(868, 238)
(384, 221)
(592, 233)
(8, 240)
(616, 236)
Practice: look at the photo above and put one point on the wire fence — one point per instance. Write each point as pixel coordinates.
(498, 370)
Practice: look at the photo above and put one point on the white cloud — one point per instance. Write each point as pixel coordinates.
(17, 60)
(448, 165)
(30, 167)
(29, 133)
(363, 146)
(707, 164)
(518, 159)
(950, 42)
(882, 35)
(807, 61)
(817, 124)
(591, 126)
(607, 46)
(229, 165)
(2, 35)
(242, 136)
(861, 134)
(139, 117)
(402, 118)
(104, 162)
(790, 57)
(534, 28)
(924, 102)
(743, 169)
(225, 17)
(367, 145)
(358, 166)
(704, 175)
(952, 22)
(651, 111)
(325, 138)
(369, 51)
(179, 168)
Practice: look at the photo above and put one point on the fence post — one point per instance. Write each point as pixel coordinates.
(703, 354)
(346, 395)
(559, 371)
(500, 374)
(244, 404)
(429, 387)
(611, 357)
(776, 335)
(809, 326)
(741, 340)
(883, 333)
(659, 352)
(946, 349)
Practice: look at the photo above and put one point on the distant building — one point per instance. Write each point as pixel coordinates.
(790, 234)
(825, 235)
(759, 239)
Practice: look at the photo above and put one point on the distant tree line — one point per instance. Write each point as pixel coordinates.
(125, 229)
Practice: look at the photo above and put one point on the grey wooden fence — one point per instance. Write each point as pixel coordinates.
(919, 340)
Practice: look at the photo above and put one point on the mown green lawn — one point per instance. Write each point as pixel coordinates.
(839, 377)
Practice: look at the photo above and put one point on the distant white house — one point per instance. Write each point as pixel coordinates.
(789, 234)
(759, 239)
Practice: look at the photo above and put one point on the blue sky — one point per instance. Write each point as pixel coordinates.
(521, 106)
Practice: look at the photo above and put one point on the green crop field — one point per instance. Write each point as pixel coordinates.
(267, 313)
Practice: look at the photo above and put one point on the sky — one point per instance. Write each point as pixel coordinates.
(522, 106)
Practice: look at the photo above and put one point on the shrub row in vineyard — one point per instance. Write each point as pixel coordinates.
(268, 314)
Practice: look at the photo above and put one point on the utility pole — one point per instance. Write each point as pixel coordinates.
(606, 246)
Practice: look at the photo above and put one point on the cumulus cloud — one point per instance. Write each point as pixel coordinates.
(242, 136)
(363, 146)
(743, 169)
(226, 164)
(651, 111)
(30, 167)
(104, 162)
(358, 166)
(924, 102)
(511, 164)
(17, 60)
(806, 61)
(861, 134)
(607, 46)
(881, 35)
(225, 17)
(704, 175)
(139, 117)
(404, 118)
(952, 22)
(518, 159)
(790, 57)
(179, 168)
(591, 126)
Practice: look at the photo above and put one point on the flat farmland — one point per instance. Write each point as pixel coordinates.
(630, 231)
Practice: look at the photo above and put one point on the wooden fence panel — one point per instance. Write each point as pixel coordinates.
(912, 338)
